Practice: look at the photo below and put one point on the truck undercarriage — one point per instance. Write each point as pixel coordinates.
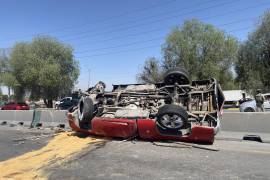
(171, 109)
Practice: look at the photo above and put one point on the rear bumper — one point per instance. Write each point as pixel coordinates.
(143, 128)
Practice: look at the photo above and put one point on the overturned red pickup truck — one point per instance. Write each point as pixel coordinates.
(175, 109)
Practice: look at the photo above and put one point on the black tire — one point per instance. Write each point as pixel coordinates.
(249, 109)
(172, 117)
(177, 75)
(85, 109)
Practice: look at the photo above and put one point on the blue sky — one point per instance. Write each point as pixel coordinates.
(112, 39)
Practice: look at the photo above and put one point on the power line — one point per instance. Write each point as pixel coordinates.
(240, 29)
(106, 19)
(209, 17)
(158, 38)
(148, 22)
(175, 16)
(148, 17)
(117, 52)
(139, 49)
(123, 45)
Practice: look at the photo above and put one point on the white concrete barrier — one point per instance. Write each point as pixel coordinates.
(231, 121)
(246, 122)
(53, 117)
(45, 117)
(16, 116)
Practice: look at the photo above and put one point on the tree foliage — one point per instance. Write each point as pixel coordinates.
(253, 65)
(6, 77)
(151, 71)
(203, 50)
(45, 67)
(3, 63)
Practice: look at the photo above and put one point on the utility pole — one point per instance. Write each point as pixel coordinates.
(89, 75)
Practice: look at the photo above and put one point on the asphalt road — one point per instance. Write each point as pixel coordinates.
(143, 160)
(117, 159)
(17, 140)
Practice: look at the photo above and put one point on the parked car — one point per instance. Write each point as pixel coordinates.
(243, 100)
(250, 106)
(175, 109)
(15, 106)
(57, 103)
(67, 103)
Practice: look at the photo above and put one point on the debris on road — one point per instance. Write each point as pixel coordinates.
(252, 138)
(4, 123)
(31, 165)
(184, 145)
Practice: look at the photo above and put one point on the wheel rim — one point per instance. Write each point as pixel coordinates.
(177, 78)
(172, 121)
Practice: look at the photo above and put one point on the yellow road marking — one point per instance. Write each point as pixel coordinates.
(31, 165)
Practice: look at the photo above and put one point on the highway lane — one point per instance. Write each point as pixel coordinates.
(72, 156)
(17, 140)
(118, 160)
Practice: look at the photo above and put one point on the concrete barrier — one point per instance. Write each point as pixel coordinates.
(246, 122)
(53, 117)
(16, 116)
(45, 117)
(230, 121)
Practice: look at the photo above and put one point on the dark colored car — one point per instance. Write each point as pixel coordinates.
(15, 106)
(68, 103)
(175, 109)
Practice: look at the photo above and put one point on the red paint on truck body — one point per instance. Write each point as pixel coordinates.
(143, 128)
(201, 134)
(123, 128)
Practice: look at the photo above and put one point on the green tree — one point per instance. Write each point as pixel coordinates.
(9, 81)
(253, 65)
(3, 63)
(45, 67)
(6, 76)
(151, 71)
(203, 50)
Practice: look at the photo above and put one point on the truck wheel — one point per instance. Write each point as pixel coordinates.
(177, 75)
(85, 109)
(172, 117)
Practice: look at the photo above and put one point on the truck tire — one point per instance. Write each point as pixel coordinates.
(85, 109)
(177, 75)
(172, 117)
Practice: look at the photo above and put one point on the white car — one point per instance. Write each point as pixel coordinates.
(250, 106)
